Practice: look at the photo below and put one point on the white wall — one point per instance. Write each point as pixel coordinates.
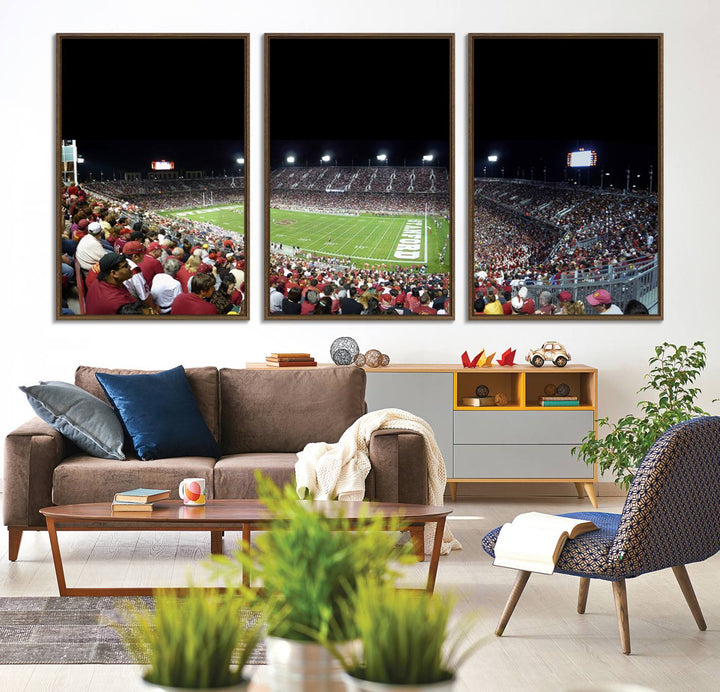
(37, 347)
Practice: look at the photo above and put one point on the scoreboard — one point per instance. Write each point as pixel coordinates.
(581, 159)
(163, 165)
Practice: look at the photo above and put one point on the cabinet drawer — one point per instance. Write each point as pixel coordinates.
(519, 461)
(522, 427)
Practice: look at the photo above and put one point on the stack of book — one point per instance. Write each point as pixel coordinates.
(138, 500)
(290, 360)
(559, 401)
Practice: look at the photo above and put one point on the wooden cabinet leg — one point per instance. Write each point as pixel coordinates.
(453, 491)
(580, 490)
(621, 608)
(590, 490)
(583, 594)
(683, 579)
(417, 536)
(520, 581)
(216, 542)
(14, 538)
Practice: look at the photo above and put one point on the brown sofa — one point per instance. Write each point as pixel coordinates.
(260, 419)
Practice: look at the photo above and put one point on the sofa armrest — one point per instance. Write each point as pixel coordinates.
(32, 452)
(399, 472)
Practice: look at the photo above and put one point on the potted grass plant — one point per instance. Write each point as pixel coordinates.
(405, 641)
(310, 565)
(198, 641)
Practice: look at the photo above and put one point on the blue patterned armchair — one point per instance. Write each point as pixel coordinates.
(671, 518)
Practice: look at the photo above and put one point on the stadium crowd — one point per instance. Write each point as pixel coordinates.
(420, 179)
(126, 260)
(304, 284)
(174, 193)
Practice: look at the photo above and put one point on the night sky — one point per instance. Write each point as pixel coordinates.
(129, 101)
(536, 99)
(354, 98)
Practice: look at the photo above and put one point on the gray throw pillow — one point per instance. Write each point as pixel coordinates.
(83, 418)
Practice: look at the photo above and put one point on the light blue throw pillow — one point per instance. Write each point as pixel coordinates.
(160, 413)
(83, 418)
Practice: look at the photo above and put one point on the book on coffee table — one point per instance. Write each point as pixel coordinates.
(131, 506)
(141, 496)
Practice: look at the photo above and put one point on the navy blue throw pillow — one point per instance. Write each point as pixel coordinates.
(160, 413)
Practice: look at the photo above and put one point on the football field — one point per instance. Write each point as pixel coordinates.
(230, 217)
(365, 238)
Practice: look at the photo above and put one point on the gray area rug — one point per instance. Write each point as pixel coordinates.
(69, 630)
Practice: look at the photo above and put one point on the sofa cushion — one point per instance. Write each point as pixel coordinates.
(160, 413)
(83, 418)
(234, 476)
(80, 478)
(281, 411)
(203, 382)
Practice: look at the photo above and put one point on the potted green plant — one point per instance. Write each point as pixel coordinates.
(194, 641)
(310, 565)
(673, 372)
(405, 641)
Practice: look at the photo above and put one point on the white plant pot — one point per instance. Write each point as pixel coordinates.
(239, 687)
(357, 685)
(295, 666)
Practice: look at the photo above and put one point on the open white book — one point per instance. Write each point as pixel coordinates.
(533, 541)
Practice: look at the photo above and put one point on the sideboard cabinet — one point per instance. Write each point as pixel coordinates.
(512, 438)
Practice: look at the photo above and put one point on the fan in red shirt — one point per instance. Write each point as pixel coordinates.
(195, 303)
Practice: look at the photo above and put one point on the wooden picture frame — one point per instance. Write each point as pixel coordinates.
(565, 176)
(359, 176)
(165, 154)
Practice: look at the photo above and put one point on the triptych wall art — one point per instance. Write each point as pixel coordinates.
(564, 178)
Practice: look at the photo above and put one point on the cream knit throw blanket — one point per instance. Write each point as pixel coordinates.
(329, 471)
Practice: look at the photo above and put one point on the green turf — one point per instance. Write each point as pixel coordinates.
(366, 239)
(226, 217)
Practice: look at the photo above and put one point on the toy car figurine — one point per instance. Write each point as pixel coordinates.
(551, 350)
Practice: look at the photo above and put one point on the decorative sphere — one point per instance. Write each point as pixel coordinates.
(373, 358)
(343, 350)
(481, 391)
(359, 360)
(563, 389)
(342, 357)
(500, 399)
(385, 360)
(550, 390)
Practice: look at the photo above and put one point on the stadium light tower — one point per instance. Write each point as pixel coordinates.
(427, 158)
(290, 160)
(324, 159)
(382, 158)
(493, 158)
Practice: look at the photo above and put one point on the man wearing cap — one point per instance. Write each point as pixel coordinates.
(150, 264)
(90, 250)
(138, 286)
(107, 294)
(602, 302)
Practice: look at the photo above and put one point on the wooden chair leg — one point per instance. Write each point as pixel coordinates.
(684, 580)
(520, 581)
(620, 594)
(417, 536)
(14, 538)
(583, 594)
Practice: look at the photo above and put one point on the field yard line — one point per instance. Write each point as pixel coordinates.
(426, 239)
(381, 239)
(352, 237)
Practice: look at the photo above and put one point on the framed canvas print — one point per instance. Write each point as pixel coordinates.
(359, 188)
(565, 173)
(152, 151)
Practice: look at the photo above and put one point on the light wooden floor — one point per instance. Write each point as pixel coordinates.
(547, 646)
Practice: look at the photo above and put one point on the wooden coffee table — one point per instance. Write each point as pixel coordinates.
(218, 516)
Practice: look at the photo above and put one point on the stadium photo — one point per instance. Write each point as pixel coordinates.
(152, 217)
(566, 178)
(358, 225)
